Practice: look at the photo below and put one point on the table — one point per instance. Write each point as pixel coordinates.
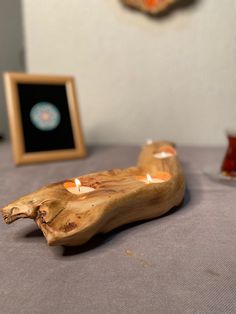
(184, 262)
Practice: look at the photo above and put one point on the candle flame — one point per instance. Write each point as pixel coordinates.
(78, 184)
(149, 178)
(149, 141)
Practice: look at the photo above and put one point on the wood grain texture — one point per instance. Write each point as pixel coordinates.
(120, 197)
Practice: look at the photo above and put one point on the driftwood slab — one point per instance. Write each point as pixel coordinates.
(120, 196)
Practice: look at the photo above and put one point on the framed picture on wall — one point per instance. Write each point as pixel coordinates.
(43, 117)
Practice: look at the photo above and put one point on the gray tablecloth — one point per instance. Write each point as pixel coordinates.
(184, 262)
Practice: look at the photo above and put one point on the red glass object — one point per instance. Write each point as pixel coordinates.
(229, 163)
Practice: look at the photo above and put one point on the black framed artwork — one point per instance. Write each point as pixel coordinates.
(44, 118)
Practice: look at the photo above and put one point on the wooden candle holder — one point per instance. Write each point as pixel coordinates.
(120, 196)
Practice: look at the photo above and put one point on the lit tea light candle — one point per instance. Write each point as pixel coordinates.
(163, 155)
(166, 151)
(149, 141)
(149, 179)
(77, 188)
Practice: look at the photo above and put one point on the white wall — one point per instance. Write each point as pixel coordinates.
(11, 49)
(140, 77)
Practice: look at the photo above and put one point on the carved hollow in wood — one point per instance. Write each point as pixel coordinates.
(120, 196)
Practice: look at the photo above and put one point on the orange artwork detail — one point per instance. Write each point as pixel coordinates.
(150, 6)
(151, 3)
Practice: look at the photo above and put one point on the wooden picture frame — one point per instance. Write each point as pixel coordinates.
(43, 117)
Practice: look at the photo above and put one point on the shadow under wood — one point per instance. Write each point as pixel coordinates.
(36, 233)
(30, 233)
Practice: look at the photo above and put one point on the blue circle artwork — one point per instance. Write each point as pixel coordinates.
(45, 116)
